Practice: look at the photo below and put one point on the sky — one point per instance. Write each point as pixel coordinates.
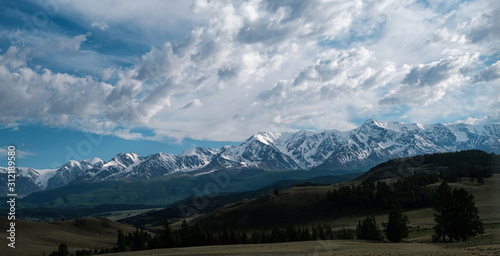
(84, 79)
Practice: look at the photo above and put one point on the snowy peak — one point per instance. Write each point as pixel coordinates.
(373, 142)
(393, 126)
(356, 150)
(94, 161)
(126, 159)
(268, 138)
(199, 152)
(259, 151)
(377, 141)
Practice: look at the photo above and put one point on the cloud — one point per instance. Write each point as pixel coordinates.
(340, 75)
(428, 83)
(100, 25)
(194, 103)
(21, 154)
(222, 70)
(46, 96)
(491, 73)
(430, 74)
(74, 43)
(484, 26)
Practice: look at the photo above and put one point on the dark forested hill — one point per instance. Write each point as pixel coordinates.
(442, 163)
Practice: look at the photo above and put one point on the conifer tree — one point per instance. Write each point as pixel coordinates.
(345, 233)
(275, 235)
(276, 192)
(321, 232)
(368, 229)
(244, 238)
(466, 222)
(185, 234)
(443, 206)
(168, 239)
(198, 235)
(314, 235)
(225, 239)
(359, 230)
(456, 214)
(306, 236)
(122, 242)
(139, 240)
(396, 228)
(61, 251)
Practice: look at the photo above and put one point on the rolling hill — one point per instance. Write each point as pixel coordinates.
(438, 162)
(307, 205)
(36, 238)
(85, 199)
(191, 205)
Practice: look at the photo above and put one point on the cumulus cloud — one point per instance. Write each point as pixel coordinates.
(428, 83)
(484, 26)
(491, 73)
(50, 97)
(341, 73)
(240, 67)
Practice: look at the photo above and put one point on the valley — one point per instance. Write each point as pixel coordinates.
(418, 243)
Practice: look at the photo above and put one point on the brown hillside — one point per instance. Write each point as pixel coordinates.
(307, 206)
(34, 238)
(292, 206)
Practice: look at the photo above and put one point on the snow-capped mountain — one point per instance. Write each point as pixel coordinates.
(122, 166)
(375, 142)
(359, 149)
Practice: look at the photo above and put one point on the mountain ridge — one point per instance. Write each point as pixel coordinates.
(339, 151)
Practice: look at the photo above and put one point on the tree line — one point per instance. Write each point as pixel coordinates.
(474, 174)
(466, 159)
(196, 235)
(456, 217)
(408, 191)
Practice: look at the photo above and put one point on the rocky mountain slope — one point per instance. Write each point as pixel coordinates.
(339, 151)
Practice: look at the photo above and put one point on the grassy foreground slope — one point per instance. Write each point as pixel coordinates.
(320, 248)
(35, 238)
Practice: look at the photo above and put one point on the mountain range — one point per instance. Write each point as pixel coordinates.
(337, 151)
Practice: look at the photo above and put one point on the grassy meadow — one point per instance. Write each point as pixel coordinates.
(35, 238)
